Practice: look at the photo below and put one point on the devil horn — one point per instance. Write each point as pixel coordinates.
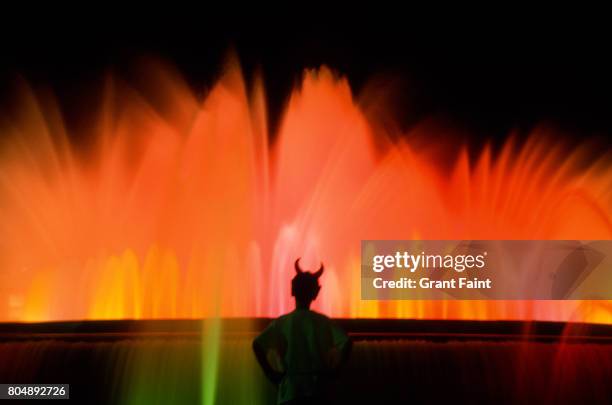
(320, 271)
(297, 266)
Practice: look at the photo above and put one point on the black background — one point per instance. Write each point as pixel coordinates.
(487, 77)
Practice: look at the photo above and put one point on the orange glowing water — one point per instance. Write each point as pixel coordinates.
(184, 208)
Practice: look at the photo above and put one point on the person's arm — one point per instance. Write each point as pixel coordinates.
(266, 349)
(342, 346)
(345, 351)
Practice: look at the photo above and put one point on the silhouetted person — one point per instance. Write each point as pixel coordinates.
(302, 350)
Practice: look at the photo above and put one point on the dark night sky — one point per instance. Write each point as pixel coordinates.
(487, 78)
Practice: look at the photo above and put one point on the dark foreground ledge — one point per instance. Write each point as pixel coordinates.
(359, 329)
(392, 362)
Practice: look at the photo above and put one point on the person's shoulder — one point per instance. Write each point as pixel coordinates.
(319, 316)
(323, 319)
(282, 319)
(275, 324)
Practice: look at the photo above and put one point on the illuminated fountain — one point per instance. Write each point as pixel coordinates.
(186, 207)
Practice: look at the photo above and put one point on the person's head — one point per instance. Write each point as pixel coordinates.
(305, 285)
